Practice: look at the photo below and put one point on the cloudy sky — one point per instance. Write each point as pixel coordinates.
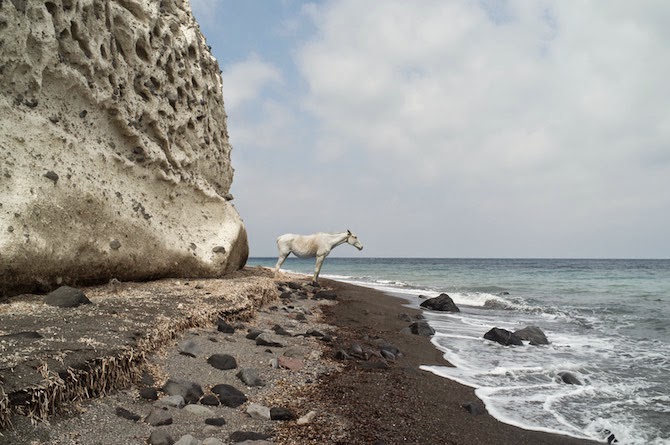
(450, 128)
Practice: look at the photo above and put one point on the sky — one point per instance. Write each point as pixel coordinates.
(447, 128)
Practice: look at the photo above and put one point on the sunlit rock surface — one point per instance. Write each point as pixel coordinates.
(114, 152)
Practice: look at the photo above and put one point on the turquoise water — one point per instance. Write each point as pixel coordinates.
(608, 322)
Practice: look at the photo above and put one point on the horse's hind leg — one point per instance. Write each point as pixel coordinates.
(319, 263)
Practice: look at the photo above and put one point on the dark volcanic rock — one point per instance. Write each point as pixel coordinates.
(266, 339)
(442, 302)
(210, 400)
(569, 378)
(253, 333)
(474, 408)
(229, 395)
(149, 393)
(24, 335)
(66, 296)
(421, 327)
(191, 392)
(503, 336)
(281, 331)
(241, 436)
(325, 295)
(216, 421)
(223, 326)
(222, 361)
(533, 334)
(279, 413)
(122, 412)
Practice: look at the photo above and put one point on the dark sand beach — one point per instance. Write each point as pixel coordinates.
(345, 389)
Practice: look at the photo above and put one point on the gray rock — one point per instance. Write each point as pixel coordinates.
(66, 296)
(212, 441)
(533, 334)
(175, 401)
(241, 436)
(158, 417)
(281, 331)
(253, 333)
(189, 347)
(187, 440)
(307, 418)
(421, 327)
(267, 339)
(190, 391)
(250, 377)
(258, 412)
(222, 361)
(442, 302)
(160, 437)
(199, 410)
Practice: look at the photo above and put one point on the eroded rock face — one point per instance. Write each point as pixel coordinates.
(114, 152)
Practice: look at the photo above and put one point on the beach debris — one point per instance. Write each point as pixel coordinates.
(222, 361)
(533, 334)
(503, 336)
(569, 378)
(229, 395)
(250, 377)
(421, 327)
(160, 437)
(66, 296)
(259, 412)
(307, 418)
(442, 302)
(281, 413)
(158, 417)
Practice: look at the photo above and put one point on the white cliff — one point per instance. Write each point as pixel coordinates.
(114, 152)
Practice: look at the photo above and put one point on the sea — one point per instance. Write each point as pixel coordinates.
(607, 321)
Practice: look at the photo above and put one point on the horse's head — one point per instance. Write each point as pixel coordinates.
(353, 240)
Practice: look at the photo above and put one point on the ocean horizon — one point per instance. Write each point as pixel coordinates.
(607, 320)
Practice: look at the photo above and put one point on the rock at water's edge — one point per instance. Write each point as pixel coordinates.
(532, 334)
(442, 302)
(503, 336)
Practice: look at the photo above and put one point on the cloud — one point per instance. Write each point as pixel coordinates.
(459, 128)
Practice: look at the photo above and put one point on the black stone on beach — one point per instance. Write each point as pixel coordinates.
(229, 395)
(66, 296)
(222, 361)
(442, 302)
(503, 336)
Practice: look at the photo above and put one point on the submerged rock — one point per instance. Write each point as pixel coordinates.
(503, 336)
(533, 334)
(569, 378)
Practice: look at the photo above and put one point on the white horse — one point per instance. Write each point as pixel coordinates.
(318, 245)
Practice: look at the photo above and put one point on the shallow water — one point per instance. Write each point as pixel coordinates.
(608, 322)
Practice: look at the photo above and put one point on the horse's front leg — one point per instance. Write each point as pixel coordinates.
(280, 261)
(319, 263)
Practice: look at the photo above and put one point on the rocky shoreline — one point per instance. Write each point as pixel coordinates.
(258, 361)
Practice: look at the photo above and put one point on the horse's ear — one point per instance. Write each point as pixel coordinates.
(349, 231)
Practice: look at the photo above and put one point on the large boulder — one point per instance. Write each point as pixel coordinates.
(532, 334)
(114, 150)
(442, 302)
(503, 336)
